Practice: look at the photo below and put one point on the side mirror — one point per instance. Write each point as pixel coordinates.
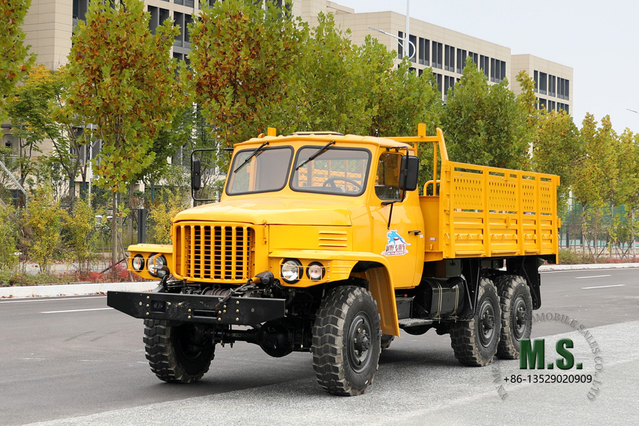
(409, 173)
(196, 177)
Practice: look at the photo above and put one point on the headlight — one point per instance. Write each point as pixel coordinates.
(156, 262)
(291, 271)
(315, 271)
(138, 263)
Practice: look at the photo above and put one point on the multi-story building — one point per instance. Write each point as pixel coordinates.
(49, 25)
(445, 51)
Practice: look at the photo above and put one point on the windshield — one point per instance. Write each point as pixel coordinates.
(339, 171)
(265, 172)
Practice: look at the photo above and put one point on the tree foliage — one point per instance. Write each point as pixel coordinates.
(122, 80)
(45, 220)
(15, 59)
(485, 124)
(241, 57)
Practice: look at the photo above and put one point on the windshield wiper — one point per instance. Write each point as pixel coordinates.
(255, 153)
(317, 154)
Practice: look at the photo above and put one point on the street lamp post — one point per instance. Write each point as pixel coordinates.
(403, 40)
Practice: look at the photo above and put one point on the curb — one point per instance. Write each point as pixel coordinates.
(73, 289)
(545, 268)
(86, 289)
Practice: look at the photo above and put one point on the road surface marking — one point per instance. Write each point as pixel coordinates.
(603, 286)
(592, 276)
(75, 310)
(47, 299)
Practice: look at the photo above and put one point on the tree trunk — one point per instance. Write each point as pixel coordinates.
(114, 230)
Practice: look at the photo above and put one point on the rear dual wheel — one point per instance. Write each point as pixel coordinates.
(516, 315)
(475, 342)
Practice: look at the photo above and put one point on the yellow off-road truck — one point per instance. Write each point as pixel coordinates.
(321, 243)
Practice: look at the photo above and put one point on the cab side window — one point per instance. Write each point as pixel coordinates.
(387, 179)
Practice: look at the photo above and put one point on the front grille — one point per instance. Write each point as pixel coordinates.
(214, 253)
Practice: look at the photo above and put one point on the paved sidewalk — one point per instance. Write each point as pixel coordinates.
(85, 289)
(73, 289)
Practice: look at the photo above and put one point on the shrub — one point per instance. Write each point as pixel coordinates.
(45, 218)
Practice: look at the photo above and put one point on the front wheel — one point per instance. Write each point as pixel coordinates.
(475, 342)
(177, 353)
(346, 341)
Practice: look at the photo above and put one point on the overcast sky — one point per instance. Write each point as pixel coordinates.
(597, 39)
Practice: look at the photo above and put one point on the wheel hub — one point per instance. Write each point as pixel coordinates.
(359, 342)
(486, 323)
(521, 316)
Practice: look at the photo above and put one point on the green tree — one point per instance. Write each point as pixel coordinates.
(241, 58)
(81, 235)
(15, 59)
(484, 124)
(123, 81)
(45, 219)
(334, 80)
(589, 186)
(557, 149)
(9, 238)
(405, 100)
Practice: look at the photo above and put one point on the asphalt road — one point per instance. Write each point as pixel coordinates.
(73, 361)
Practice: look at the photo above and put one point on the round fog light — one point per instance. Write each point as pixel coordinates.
(138, 263)
(315, 271)
(291, 271)
(156, 262)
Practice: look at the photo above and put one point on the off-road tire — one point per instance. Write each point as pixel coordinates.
(387, 339)
(475, 342)
(516, 314)
(346, 341)
(172, 354)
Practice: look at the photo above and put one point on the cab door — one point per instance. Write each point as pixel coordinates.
(401, 243)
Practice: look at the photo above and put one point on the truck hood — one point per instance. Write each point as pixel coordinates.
(270, 211)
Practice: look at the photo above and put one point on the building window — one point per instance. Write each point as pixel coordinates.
(188, 20)
(80, 8)
(164, 15)
(461, 60)
(497, 70)
(543, 83)
(437, 55)
(189, 3)
(424, 51)
(179, 22)
(563, 88)
(449, 59)
(475, 57)
(154, 21)
(411, 48)
(484, 64)
(552, 85)
(438, 79)
(449, 83)
(551, 105)
(178, 1)
(542, 103)
(400, 45)
(536, 78)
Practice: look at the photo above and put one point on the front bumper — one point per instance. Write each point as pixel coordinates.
(197, 308)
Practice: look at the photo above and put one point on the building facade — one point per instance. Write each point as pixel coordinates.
(445, 51)
(49, 25)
